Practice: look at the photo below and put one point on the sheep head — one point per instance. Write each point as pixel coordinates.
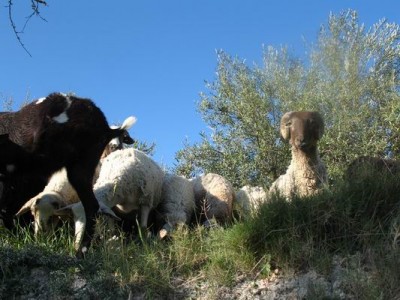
(303, 129)
(43, 208)
(118, 142)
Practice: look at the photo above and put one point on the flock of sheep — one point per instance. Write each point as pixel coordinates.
(125, 182)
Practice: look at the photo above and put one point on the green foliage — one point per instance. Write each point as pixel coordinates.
(351, 77)
(144, 146)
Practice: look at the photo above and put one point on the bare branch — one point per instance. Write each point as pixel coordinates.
(35, 12)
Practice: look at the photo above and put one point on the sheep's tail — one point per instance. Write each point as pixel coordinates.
(128, 123)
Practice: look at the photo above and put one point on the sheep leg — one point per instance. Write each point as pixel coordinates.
(144, 217)
(81, 177)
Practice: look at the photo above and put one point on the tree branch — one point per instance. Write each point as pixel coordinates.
(35, 12)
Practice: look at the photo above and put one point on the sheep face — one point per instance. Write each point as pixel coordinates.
(124, 138)
(302, 129)
(43, 212)
(43, 207)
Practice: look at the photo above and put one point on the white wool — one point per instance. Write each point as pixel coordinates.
(214, 196)
(128, 180)
(248, 199)
(305, 176)
(177, 201)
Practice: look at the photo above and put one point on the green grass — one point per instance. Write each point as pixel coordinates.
(359, 222)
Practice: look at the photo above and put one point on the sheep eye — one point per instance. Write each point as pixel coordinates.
(289, 124)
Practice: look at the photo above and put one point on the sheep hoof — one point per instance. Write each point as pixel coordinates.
(81, 252)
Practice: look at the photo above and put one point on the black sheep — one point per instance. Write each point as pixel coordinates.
(54, 132)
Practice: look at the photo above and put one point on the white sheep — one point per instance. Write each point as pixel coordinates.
(129, 180)
(248, 199)
(214, 196)
(177, 203)
(56, 194)
(306, 174)
(59, 192)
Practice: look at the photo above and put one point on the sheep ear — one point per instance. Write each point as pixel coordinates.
(26, 207)
(108, 211)
(285, 125)
(128, 123)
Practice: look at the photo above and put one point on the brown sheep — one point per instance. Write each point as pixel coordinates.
(306, 173)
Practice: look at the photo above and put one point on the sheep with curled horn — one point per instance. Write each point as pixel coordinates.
(306, 174)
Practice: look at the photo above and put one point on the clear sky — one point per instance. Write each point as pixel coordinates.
(150, 58)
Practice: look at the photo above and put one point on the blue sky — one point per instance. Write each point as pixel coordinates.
(151, 59)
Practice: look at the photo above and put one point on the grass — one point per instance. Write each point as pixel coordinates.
(359, 223)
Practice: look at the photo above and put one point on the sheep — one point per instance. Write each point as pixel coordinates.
(54, 132)
(306, 174)
(214, 196)
(248, 199)
(365, 166)
(59, 192)
(118, 142)
(177, 203)
(129, 180)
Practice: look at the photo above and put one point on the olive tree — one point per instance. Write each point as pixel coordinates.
(351, 76)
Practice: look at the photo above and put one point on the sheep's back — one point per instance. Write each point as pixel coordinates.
(59, 183)
(178, 201)
(214, 196)
(129, 174)
(248, 199)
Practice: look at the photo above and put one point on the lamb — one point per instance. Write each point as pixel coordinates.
(214, 196)
(247, 200)
(129, 180)
(306, 174)
(177, 203)
(54, 132)
(59, 192)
